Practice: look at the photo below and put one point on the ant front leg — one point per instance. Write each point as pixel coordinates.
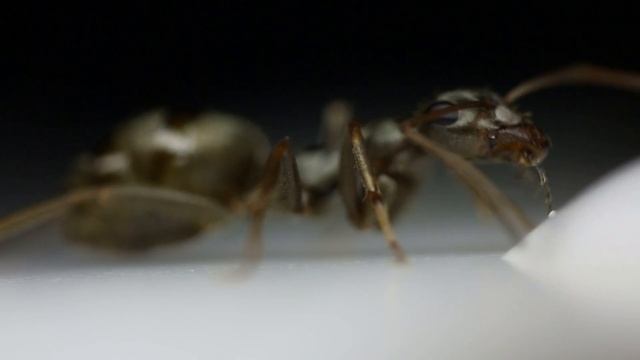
(281, 165)
(483, 189)
(354, 157)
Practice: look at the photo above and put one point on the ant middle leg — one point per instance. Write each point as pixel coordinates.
(354, 157)
(280, 171)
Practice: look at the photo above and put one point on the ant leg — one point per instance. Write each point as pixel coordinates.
(122, 217)
(35, 215)
(354, 156)
(511, 216)
(281, 165)
(577, 74)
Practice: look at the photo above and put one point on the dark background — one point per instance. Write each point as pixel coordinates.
(68, 74)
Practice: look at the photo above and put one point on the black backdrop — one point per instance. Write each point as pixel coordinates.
(68, 74)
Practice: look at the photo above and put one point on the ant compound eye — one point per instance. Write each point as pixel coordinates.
(446, 119)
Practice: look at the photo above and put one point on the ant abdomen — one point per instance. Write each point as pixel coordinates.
(215, 155)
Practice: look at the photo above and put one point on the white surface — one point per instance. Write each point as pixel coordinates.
(592, 251)
(451, 302)
(441, 308)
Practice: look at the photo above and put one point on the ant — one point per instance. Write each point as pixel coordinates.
(164, 179)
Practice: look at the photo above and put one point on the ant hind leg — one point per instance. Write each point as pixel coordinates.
(280, 171)
(122, 217)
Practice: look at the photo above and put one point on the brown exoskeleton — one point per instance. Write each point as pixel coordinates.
(164, 179)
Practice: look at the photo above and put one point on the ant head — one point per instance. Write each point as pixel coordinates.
(482, 126)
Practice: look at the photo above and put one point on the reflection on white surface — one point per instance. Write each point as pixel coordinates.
(325, 291)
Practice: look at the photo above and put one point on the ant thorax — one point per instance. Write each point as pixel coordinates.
(212, 154)
(384, 143)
